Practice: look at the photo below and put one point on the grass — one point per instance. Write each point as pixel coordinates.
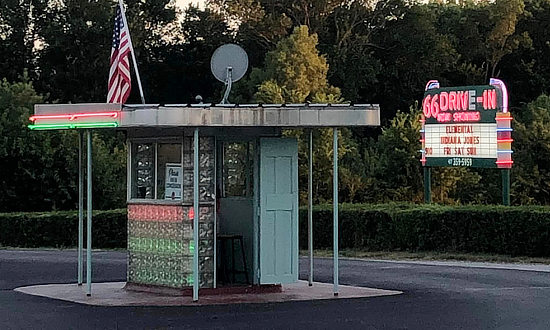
(430, 256)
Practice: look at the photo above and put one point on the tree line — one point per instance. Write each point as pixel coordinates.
(299, 51)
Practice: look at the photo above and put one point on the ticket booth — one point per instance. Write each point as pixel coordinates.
(212, 189)
(248, 202)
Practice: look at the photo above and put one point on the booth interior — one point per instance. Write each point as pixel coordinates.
(160, 205)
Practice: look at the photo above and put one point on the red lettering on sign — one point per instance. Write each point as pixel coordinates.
(452, 100)
(491, 96)
(434, 106)
(426, 106)
(443, 101)
(444, 117)
(466, 116)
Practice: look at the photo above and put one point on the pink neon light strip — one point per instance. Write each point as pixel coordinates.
(505, 140)
(500, 85)
(504, 162)
(74, 116)
(504, 118)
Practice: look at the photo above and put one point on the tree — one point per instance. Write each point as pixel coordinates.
(179, 71)
(394, 161)
(413, 51)
(502, 39)
(257, 27)
(39, 168)
(73, 65)
(525, 69)
(295, 72)
(20, 21)
(531, 171)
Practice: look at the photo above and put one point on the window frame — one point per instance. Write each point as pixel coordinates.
(130, 175)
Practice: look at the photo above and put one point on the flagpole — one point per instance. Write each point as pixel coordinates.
(132, 50)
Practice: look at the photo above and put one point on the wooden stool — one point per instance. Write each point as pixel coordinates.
(223, 239)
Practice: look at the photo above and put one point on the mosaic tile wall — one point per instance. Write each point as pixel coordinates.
(160, 237)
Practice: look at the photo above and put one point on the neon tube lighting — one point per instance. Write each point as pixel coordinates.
(505, 151)
(504, 118)
(504, 162)
(432, 84)
(504, 130)
(73, 116)
(69, 126)
(505, 140)
(499, 84)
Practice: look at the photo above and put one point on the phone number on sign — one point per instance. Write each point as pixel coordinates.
(460, 161)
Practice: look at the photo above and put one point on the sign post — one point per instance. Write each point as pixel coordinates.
(467, 126)
(506, 187)
(427, 185)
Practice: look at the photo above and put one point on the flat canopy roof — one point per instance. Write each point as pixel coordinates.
(96, 115)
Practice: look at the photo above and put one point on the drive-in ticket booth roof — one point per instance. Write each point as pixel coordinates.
(212, 189)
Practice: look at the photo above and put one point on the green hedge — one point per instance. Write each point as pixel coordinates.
(60, 229)
(513, 231)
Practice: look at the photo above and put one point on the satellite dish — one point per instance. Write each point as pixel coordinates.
(228, 64)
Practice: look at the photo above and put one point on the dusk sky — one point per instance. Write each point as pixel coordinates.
(184, 3)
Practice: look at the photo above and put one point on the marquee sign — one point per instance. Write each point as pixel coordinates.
(466, 126)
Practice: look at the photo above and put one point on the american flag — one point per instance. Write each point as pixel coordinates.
(119, 74)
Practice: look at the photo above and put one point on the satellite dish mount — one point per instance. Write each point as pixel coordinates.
(228, 64)
(228, 81)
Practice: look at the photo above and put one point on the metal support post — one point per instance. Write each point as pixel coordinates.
(89, 217)
(427, 185)
(506, 186)
(310, 206)
(335, 207)
(196, 279)
(80, 206)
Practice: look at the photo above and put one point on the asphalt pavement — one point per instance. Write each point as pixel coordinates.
(436, 296)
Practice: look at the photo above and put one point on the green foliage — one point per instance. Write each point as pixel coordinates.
(502, 39)
(295, 72)
(39, 169)
(393, 160)
(516, 231)
(60, 229)
(531, 172)
(382, 52)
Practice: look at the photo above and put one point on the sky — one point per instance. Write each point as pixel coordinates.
(184, 3)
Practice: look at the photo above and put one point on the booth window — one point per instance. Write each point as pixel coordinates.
(238, 169)
(143, 170)
(157, 171)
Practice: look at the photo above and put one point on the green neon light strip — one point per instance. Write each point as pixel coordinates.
(69, 126)
(159, 245)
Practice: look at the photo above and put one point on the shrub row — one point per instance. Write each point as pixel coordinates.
(481, 229)
(513, 231)
(60, 229)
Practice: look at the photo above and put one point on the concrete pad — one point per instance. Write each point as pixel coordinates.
(114, 294)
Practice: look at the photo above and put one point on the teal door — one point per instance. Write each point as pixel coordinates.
(278, 210)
